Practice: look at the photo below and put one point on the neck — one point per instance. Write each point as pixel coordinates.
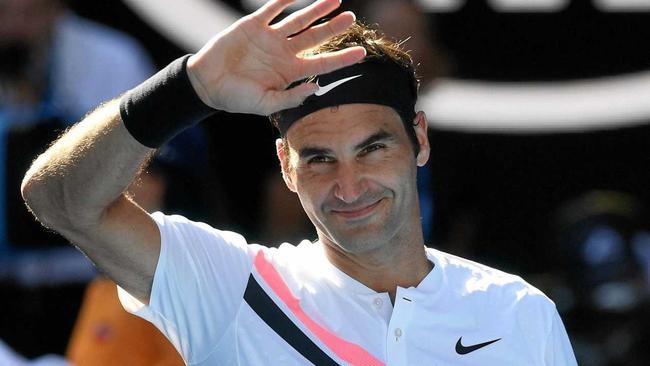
(399, 263)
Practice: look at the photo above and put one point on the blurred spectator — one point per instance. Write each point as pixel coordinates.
(54, 67)
(56, 64)
(604, 239)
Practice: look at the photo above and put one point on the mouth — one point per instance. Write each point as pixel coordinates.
(357, 212)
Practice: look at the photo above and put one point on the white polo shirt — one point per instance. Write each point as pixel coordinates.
(222, 301)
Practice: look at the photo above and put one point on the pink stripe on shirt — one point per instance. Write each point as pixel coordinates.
(347, 351)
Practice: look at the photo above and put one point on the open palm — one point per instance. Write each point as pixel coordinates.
(247, 67)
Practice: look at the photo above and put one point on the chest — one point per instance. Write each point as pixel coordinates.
(325, 328)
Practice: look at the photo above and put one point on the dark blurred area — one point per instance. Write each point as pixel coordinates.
(567, 210)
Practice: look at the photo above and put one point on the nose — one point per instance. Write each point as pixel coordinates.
(349, 183)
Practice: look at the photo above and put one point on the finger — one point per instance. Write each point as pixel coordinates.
(320, 33)
(301, 19)
(327, 62)
(271, 9)
(290, 98)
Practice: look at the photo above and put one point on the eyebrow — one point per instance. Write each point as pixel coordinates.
(380, 135)
(307, 152)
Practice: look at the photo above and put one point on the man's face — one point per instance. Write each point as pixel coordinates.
(354, 171)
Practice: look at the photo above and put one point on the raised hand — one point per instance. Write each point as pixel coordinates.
(247, 67)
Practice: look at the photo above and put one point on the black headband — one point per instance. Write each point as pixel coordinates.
(375, 81)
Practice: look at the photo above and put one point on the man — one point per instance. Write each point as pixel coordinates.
(367, 292)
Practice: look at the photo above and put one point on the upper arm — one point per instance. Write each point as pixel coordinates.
(124, 244)
(558, 346)
(198, 287)
(76, 188)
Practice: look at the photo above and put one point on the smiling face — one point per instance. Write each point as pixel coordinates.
(354, 171)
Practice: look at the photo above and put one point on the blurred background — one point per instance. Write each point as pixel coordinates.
(539, 124)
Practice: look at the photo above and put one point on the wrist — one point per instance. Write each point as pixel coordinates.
(163, 106)
(192, 69)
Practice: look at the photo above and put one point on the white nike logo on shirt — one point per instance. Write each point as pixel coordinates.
(322, 90)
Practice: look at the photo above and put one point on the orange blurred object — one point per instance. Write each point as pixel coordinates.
(105, 334)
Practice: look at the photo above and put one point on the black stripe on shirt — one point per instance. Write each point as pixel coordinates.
(281, 324)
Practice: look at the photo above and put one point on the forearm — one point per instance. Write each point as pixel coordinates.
(77, 179)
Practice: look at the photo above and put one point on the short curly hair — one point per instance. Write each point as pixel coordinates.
(370, 38)
(377, 45)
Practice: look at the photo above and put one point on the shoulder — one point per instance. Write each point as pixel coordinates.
(495, 299)
(291, 257)
(298, 264)
(470, 279)
(180, 232)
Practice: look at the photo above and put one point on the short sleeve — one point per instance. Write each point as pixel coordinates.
(558, 347)
(198, 285)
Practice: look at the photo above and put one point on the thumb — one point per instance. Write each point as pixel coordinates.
(293, 97)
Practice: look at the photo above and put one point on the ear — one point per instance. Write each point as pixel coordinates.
(420, 125)
(284, 163)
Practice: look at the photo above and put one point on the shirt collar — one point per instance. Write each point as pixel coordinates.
(429, 286)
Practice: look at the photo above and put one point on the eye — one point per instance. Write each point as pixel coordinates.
(318, 159)
(370, 148)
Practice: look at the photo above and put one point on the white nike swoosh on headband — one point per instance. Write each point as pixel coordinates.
(322, 90)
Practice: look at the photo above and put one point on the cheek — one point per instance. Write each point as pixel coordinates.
(312, 186)
(391, 167)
